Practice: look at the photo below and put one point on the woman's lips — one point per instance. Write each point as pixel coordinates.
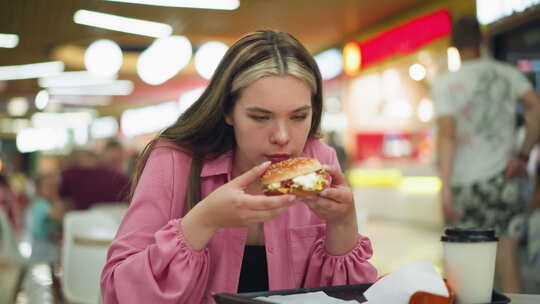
(275, 158)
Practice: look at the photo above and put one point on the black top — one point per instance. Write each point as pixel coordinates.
(254, 273)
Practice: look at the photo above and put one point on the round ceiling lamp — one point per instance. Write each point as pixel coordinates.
(208, 57)
(103, 58)
(417, 71)
(163, 59)
(42, 99)
(17, 106)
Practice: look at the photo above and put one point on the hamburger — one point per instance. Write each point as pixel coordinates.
(301, 176)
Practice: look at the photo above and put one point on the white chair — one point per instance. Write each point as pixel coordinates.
(116, 210)
(87, 236)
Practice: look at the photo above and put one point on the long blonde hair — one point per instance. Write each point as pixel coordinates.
(202, 131)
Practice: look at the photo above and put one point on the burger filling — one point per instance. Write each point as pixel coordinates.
(314, 181)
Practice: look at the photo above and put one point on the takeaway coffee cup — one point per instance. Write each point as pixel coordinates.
(469, 263)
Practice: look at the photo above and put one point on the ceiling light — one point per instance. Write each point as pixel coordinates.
(330, 63)
(74, 79)
(104, 127)
(67, 120)
(103, 58)
(28, 71)
(58, 101)
(352, 58)
(208, 57)
(9, 40)
(204, 4)
(149, 119)
(417, 71)
(164, 59)
(17, 106)
(116, 88)
(122, 24)
(34, 139)
(42, 99)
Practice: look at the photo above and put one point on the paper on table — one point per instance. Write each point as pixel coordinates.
(398, 286)
(318, 297)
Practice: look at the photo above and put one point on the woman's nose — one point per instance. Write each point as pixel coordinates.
(280, 136)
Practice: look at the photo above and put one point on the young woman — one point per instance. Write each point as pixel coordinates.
(198, 223)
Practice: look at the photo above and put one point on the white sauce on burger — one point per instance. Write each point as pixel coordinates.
(309, 181)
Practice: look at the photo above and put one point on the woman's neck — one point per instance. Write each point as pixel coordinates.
(239, 165)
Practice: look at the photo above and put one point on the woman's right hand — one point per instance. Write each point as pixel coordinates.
(231, 206)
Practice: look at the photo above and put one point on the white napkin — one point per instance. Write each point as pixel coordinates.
(318, 297)
(398, 286)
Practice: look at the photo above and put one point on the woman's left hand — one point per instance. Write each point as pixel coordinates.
(335, 203)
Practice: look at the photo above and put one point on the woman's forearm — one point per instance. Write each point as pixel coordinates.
(342, 236)
(195, 228)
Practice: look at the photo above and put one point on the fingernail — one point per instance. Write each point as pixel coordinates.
(323, 193)
(292, 198)
(266, 163)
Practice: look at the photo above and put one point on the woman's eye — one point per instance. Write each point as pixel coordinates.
(259, 118)
(299, 117)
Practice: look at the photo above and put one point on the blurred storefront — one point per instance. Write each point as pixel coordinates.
(514, 35)
(387, 93)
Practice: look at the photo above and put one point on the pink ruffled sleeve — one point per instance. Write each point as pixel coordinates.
(325, 269)
(150, 261)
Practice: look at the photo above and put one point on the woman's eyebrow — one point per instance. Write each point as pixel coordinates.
(258, 109)
(263, 110)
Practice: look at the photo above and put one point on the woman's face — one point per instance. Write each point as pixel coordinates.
(271, 120)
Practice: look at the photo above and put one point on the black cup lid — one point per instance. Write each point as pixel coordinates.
(469, 235)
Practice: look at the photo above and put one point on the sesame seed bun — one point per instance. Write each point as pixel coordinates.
(290, 168)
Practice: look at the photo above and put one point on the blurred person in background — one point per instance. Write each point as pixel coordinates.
(83, 158)
(198, 222)
(86, 182)
(47, 211)
(478, 165)
(9, 205)
(113, 156)
(19, 183)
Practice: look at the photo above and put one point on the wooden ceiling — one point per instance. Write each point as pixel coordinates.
(44, 26)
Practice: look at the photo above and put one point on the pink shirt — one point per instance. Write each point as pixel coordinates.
(150, 262)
